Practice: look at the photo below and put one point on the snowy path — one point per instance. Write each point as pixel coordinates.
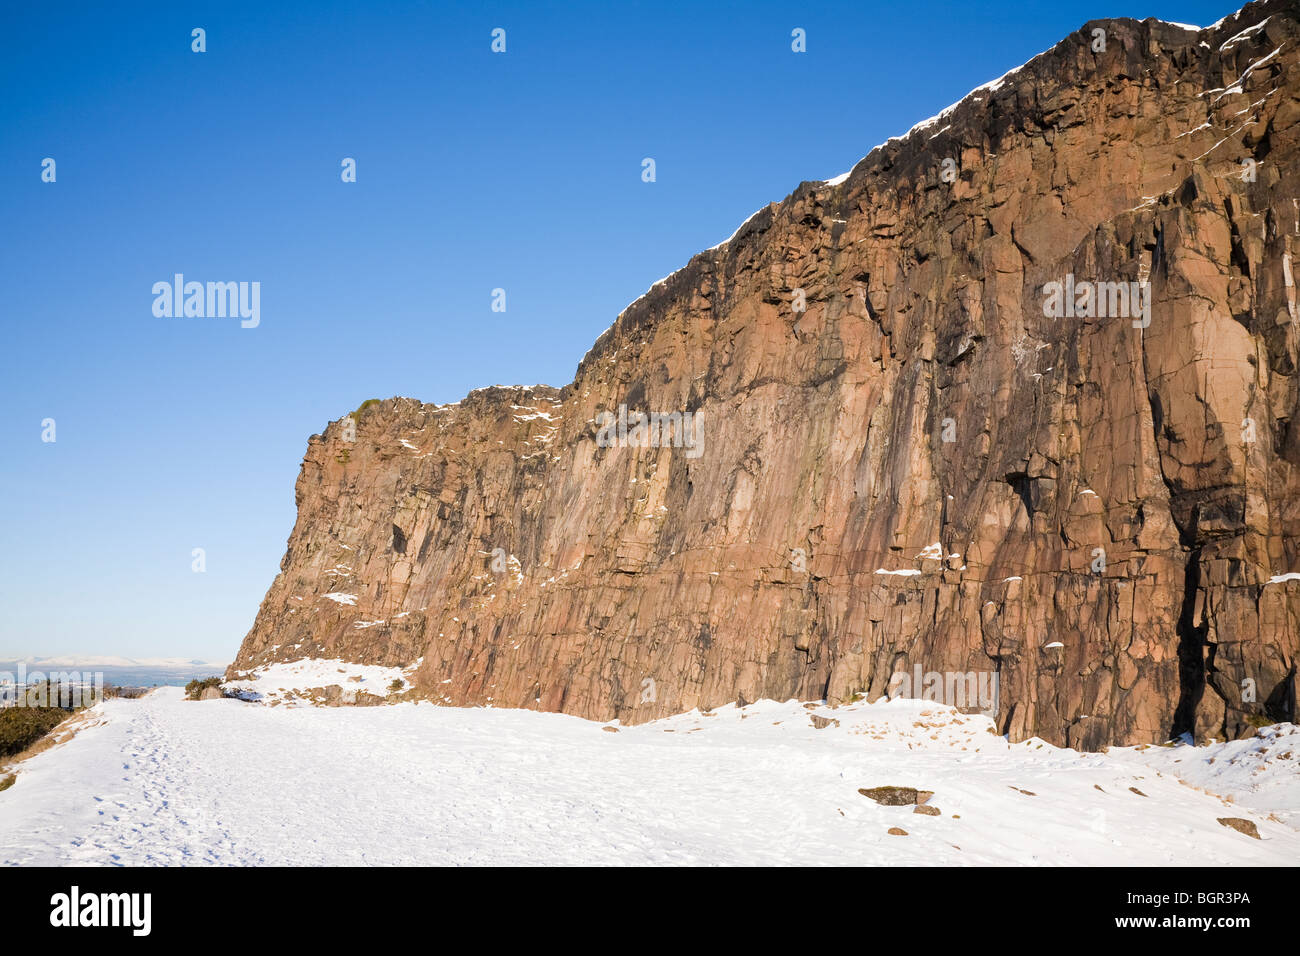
(166, 781)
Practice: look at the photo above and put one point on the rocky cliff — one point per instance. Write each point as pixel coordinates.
(1014, 397)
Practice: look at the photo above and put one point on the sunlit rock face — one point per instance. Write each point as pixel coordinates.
(1012, 403)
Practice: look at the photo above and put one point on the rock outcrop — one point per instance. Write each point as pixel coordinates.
(1016, 397)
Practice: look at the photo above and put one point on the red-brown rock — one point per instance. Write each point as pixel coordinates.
(1109, 502)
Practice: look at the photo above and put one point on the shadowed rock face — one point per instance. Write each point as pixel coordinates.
(1091, 506)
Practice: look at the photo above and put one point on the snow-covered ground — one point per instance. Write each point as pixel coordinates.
(162, 780)
(298, 682)
(1261, 773)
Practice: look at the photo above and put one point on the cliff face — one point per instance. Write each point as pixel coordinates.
(965, 454)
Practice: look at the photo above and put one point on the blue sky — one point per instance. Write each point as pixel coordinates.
(475, 171)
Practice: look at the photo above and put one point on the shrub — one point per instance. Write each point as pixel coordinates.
(195, 688)
(20, 727)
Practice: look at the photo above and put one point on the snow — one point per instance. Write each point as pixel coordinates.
(991, 87)
(1190, 132)
(905, 572)
(653, 286)
(290, 681)
(1289, 576)
(734, 234)
(162, 780)
(1261, 773)
(932, 551)
(340, 598)
(1238, 87)
(1249, 31)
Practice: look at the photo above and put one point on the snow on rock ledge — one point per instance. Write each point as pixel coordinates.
(320, 681)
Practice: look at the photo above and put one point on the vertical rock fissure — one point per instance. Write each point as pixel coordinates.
(1191, 653)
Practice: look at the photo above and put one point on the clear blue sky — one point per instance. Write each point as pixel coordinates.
(475, 171)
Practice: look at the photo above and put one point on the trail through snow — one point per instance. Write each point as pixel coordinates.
(162, 780)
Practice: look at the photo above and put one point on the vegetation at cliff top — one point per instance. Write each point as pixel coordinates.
(364, 405)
